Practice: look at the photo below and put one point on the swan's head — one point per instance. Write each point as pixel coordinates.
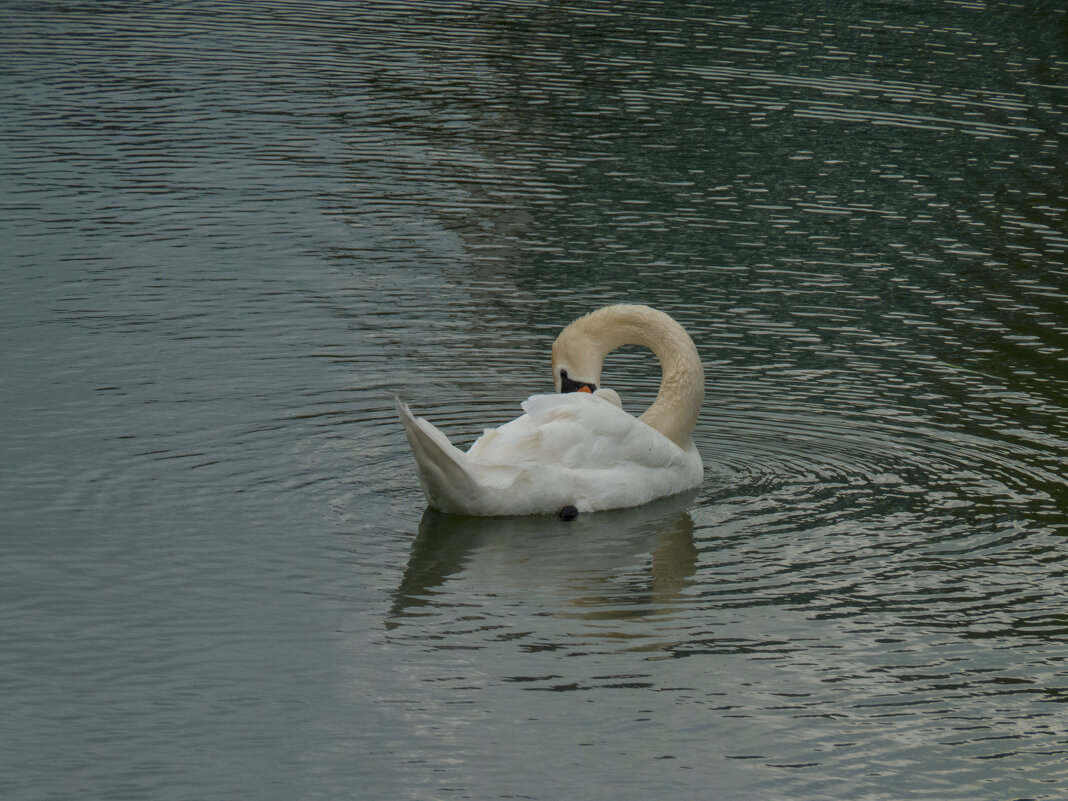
(576, 362)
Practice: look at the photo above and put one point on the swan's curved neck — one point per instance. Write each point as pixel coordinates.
(682, 386)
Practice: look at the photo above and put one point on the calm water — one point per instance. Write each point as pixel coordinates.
(232, 231)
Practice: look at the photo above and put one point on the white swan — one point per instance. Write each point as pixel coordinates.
(578, 448)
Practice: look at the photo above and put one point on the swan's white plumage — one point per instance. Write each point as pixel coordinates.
(577, 449)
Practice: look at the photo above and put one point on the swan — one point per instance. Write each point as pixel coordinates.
(578, 448)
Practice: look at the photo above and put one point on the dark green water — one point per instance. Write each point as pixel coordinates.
(233, 231)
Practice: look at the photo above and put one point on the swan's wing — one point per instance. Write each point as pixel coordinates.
(450, 481)
(590, 433)
(581, 450)
(576, 431)
(436, 458)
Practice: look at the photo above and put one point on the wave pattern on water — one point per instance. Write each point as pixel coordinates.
(232, 231)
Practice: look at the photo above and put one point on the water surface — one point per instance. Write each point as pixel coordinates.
(233, 231)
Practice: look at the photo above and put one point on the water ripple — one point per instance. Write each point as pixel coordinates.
(233, 231)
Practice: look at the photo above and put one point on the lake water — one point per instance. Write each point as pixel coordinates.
(233, 231)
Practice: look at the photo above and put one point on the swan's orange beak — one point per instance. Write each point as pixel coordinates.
(584, 389)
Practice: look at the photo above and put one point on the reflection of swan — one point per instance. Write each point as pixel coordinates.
(578, 448)
(583, 561)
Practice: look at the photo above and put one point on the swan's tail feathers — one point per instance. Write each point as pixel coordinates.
(442, 468)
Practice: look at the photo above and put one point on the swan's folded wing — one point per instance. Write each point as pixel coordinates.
(590, 433)
(578, 431)
(439, 465)
(449, 478)
(516, 442)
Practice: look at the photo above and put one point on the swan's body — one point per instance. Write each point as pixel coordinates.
(578, 448)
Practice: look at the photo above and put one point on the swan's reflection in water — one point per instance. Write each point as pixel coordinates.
(611, 571)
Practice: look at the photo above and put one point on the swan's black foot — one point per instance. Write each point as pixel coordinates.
(568, 513)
